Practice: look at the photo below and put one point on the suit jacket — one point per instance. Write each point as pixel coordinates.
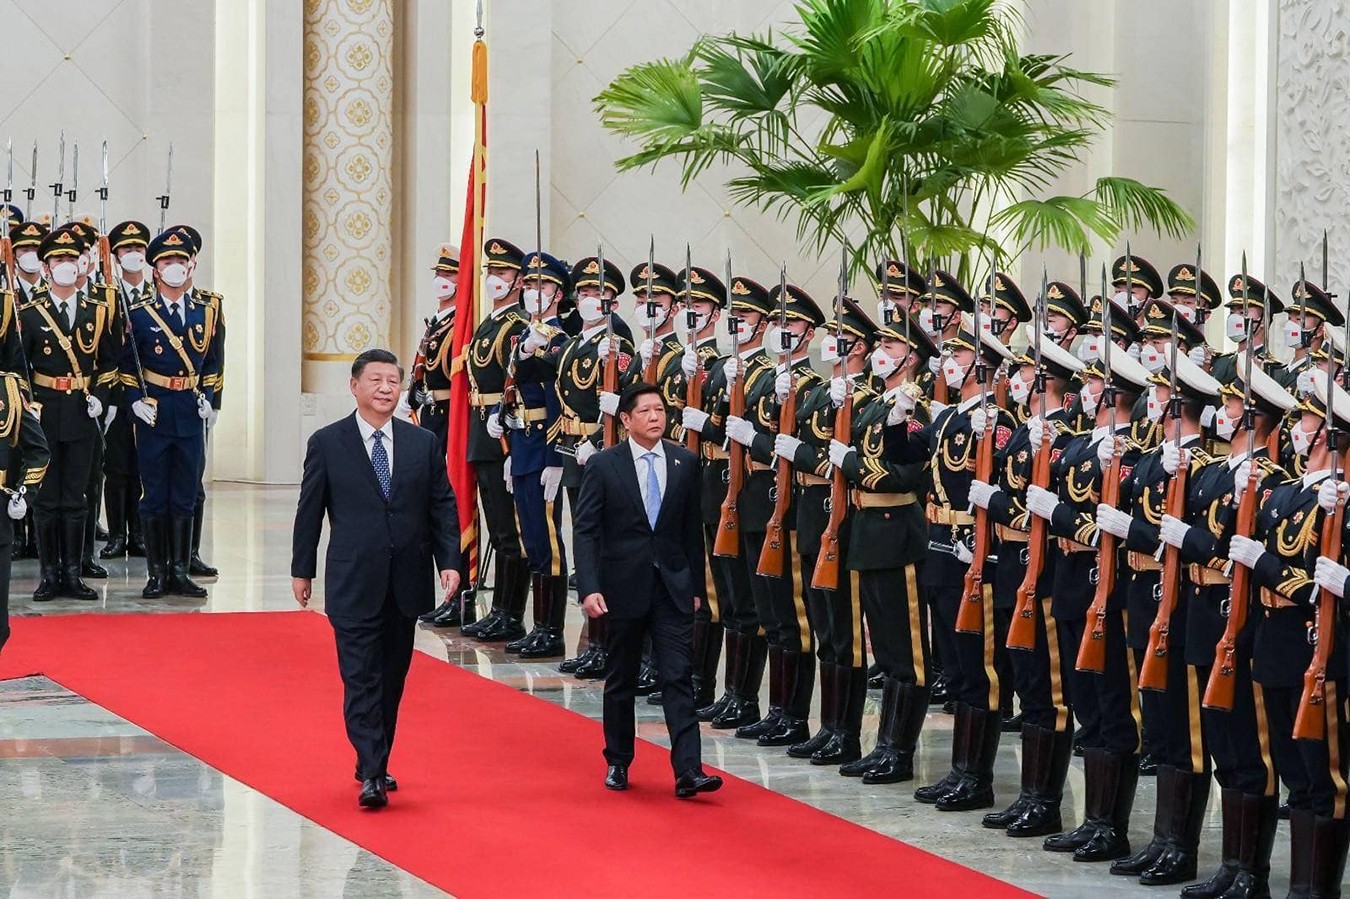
(614, 546)
(377, 547)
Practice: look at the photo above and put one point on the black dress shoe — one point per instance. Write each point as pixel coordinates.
(428, 617)
(116, 548)
(548, 645)
(656, 697)
(594, 669)
(90, 568)
(198, 568)
(616, 778)
(389, 783)
(373, 793)
(695, 781)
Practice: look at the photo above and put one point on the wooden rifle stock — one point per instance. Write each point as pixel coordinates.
(1219, 692)
(1022, 629)
(1153, 673)
(693, 398)
(728, 542)
(610, 384)
(826, 574)
(773, 556)
(509, 397)
(970, 614)
(1092, 651)
(1311, 721)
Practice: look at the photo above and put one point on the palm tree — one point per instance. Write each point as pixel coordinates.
(888, 117)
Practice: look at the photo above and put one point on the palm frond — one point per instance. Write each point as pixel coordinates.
(1135, 205)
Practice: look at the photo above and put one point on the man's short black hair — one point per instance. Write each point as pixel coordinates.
(376, 355)
(632, 393)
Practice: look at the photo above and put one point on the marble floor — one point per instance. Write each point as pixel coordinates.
(94, 806)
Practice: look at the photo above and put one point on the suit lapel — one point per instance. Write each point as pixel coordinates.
(402, 460)
(674, 477)
(351, 437)
(628, 473)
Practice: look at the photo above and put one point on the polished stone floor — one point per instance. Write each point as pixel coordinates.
(94, 806)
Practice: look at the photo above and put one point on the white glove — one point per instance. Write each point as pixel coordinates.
(693, 419)
(1172, 531)
(1041, 502)
(689, 361)
(898, 413)
(585, 449)
(18, 507)
(203, 408)
(536, 338)
(646, 351)
(1106, 450)
(211, 419)
(838, 391)
(740, 430)
(1171, 457)
(1245, 551)
(1240, 476)
(494, 426)
(962, 552)
(551, 479)
(95, 406)
(1199, 355)
(782, 385)
(731, 368)
(145, 412)
(109, 414)
(979, 421)
(935, 409)
(506, 476)
(1328, 492)
(1036, 431)
(785, 446)
(1113, 521)
(609, 403)
(1328, 574)
(935, 365)
(839, 453)
(981, 493)
(403, 410)
(605, 344)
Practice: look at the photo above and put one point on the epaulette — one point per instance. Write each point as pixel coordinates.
(37, 298)
(1199, 457)
(211, 295)
(143, 302)
(1268, 467)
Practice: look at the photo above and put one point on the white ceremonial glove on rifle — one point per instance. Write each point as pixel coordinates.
(982, 493)
(693, 419)
(646, 351)
(551, 479)
(536, 338)
(782, 385)
(1245, 551)
(494, 426)
(1240, 477)
(609, 403)
(1199, 355)
(1327, 574)
(1172, 531)
(1106, 451)
(1328, 492)
(605, 345)
(689, 360)
(979, 421)
(1041, 502)
(740, 430)
(785, 446)
(838, 391)
(839, 453)
(1113, 521)
(146, 412)
(731, 369)
(1171, 457)
(585, 449)
(1036, 431)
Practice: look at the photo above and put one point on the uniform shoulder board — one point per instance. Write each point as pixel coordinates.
(211, 295)
(37, 298)
(1270, 468)
(148, 300)
(1199, 456)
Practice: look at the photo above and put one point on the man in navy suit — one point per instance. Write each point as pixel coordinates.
(638, 542)
(391, 513)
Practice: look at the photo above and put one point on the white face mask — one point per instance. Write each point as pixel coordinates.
(1152, 358)
(1155, 407)
(986, 323)
(175, 274)
(744, 331)
(883, 364)
(1019, 389)
(497, 287)
(82, 263)
(1089, 348)
(1305, 382)
(1089, 400)
(645, 321)
(1293, 335)
(28, 261)
(133, 261)
(926, 322)
(1187, 312)
(952, 373)
(1235, 326)
(697, 322)
(536, 301)
(773, 341)
(591, 308)
(65, 274)
(1124, 300)
(1300, 439)
(829, 349)
(442, 287)
(1224, 426)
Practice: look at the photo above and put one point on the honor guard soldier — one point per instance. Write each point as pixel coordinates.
(170, 367)
(1181, 293)
(26, 239)
(1088, 600)
(489, 356)
(1135, 281)
(1163, 328)
(122, 481)
(766, 516)
(1245, 326)
(1235, 732)
(899, 288)
(579, 432)
(1066, 320)
(888, 541)
(1290, 638)
(528, 412)
(1039, 666)
(23, 457)
(660, 347)
(1171, 717)
(746, 647)
(834, 611)
(941, 316)
(1306, 333)
(73, 364)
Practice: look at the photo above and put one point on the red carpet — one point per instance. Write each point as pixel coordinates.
(482, 811)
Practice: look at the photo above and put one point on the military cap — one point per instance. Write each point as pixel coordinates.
(663, 280)
(1317, 403)
(1142, 274)
(84, 232)
(705, 285)
(170, 243)
(855, 321)
(1193, 381)
(1063, 299)
(501, 253)
(749, 296)
(1334, 346)
(1267, 394)
(447, 259)
(1127, 373)
(1318, 303)
(799, 305)
(1181, 281)
(194, 237)
(912, 333)
(545, 267)
(1122, 326)
(1257, 295)
(1057, 361)
(586, 273)
(1007, 295)
(1160, 316)
(899, 278)
(13, 215)
(128, 234)
(944, 288)
(992, 349)
(61, 242)
(28, 234)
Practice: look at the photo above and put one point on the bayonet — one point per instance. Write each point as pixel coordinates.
(163, 199)
(651, 303)
(59, 187)
(1129, 280)
(1042, 305)
(74, 191)
(103, 194)
(9, 172)
(690, 316)
(1302, 309)
(1108, 394)
(839, 342)
(784, 338)
(31, 192)
(1248, 408)
(1082, 276)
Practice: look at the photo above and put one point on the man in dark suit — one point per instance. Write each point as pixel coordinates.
(638, 542)
(391, 511)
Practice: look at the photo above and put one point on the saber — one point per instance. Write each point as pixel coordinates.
(163, 199)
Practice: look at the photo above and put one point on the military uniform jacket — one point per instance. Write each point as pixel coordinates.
(715, 402)
(762, 410)
(12, 358)
(57, 350)
(216, 301)
(1228, 367)
(489, 355)
(170, 353)
(882, 538)
(23, 446)
(815, 428)
(537, 409)
(670, 381)
(437, 344)
(127, 297)
(580, 381)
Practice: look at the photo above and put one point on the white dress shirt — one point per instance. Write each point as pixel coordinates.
(640, 464)
(172, 306)
(368, 439)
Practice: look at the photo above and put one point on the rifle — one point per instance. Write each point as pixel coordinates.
(826, 573)
(610, 377)
(1219, 691)
(105, 275)
(74, 184)
(773, 556)
(693, 388)
(163, 199)
(30, 192)
(1092, 650)
(59, 187)
(6, 245)
(649, 374)
(970, 614)
(728, 542)
(1022, 629)
(105, 261)
(939, 383)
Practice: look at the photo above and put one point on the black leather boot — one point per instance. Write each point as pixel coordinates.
(743, 708)
(550, 645)
(890, 701)
(502, 575)
(777, 695)
(156, 532)
(1032, 747)
(1114, 802)
(197, 567)
(1041, 815)
(48, 538)
(1301, 821)
(648, 676)
(707, 653)
(1163, 818)
(180, 541)
(975, 789)
(1178, 862)
(799, 678)
(737, 645)
(845, 744)
(1230, 808)
(508, 602)
(930, 794)
(88, 567)
(829, 715)
(135, 535)
(597, 653)
(72, 549)
(1330, 838)
(897, 766)
(537, 588)
(115, 507)
(462, 609)
(1094, 773)
(1259, 817)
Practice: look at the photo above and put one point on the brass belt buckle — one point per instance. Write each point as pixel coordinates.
(62, 383)
(177, 383)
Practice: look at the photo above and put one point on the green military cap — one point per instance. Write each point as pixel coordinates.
(1317, 403)
(1007, 295)
(898, 278)
(992, 349)
(1257, 295)
(799, 305)
(1122, 326)
(704, 285)
(128, 234)
(1061, 298)
(86, 233)
(501, 253)
(61, 242)
(855, 321)
(749, 296)
(944, 288)
(912, 333)
(447, 259)
(664, 280)
(1181, 281)
(586, 273)
(1318, 302)
(1161, 316)
(1142, 274)
(28, 234)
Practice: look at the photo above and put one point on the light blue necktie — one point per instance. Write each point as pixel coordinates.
(653, 490)
(380, 459)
